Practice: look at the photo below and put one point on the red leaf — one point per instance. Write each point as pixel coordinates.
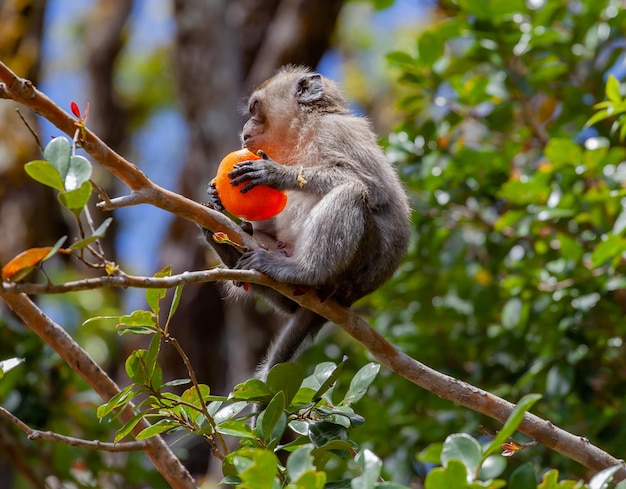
(75, 109)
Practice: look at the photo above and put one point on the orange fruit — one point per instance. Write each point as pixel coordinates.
(262, 202)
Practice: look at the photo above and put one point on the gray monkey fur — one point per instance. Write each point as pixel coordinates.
(345, 228)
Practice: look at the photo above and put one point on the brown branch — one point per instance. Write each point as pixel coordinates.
(131, 446)
(575, 447)
(23, 91)
(54, 335)
(124, 281)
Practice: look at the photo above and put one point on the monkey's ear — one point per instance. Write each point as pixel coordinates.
(309, 88)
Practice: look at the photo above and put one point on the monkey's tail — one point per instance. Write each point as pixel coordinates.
(298, 334)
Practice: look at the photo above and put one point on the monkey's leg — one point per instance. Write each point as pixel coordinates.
(326, 246)
(295, 337)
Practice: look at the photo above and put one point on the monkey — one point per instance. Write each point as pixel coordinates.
(345, 228)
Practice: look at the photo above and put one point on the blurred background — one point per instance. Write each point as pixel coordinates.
(514, 280)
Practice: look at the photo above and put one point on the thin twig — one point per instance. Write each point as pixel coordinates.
(30, 129)
(124, 281)
(131, 446)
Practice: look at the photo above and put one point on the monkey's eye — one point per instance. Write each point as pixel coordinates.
(254, 104)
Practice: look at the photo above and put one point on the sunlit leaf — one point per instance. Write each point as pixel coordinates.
(97, 234)
(360, 383)
(75, 200)
(157, 428)
(78, 173)
(45, 172)
(58, 152)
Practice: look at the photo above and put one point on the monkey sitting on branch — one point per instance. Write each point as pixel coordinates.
(345, 228)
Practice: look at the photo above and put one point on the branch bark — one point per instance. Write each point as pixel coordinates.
(131, 446)
(575, 447)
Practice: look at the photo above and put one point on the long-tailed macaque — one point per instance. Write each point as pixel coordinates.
(346, 224)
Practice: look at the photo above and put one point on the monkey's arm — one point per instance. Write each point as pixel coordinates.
(319, 179)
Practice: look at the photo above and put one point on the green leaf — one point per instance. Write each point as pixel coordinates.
(462, 447)
(154, 369)
(138, 318)
(154, 298)
(512, 313)
(285, 377)
(138, 369)
(191, 395)
(234, 427)
(371, 466)
(299, 462)
(231, 410)
(609, 250)
(311, 479)
(44, 172)
(454, 475)
(511, 424)
(323, 378)
(305, 395)
(252, 390)
(76, 200)
(401, 58)
(9, 364)
(178, 292)
(323, 432)
(360, 383)
(430, 47)
(563, 152)
(259, 470)
(273, 420)
(602, 479)
(55, 248)
(97, 234)
(78, 173)
(431, 454)
(597, 117)
(523, 478)
(612, 89)
(58, 152)
(176, 382)
(157, 428)
(128, 427)
(550, 480)
(120, 399)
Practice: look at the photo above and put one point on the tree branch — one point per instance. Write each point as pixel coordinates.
(54, 335)
(124, 281)
(575, 447)
(131, 446)
(23, 91)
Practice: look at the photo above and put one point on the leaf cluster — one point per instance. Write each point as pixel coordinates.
(515, 277)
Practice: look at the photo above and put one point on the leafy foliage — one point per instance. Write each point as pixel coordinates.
(515, 279)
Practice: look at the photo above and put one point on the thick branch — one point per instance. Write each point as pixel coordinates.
(23, 91)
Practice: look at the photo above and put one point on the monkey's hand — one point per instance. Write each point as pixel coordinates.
(260, 260)
(259, 172)
(214, 199)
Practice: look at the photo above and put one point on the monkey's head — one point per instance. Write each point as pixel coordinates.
(283, 111)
